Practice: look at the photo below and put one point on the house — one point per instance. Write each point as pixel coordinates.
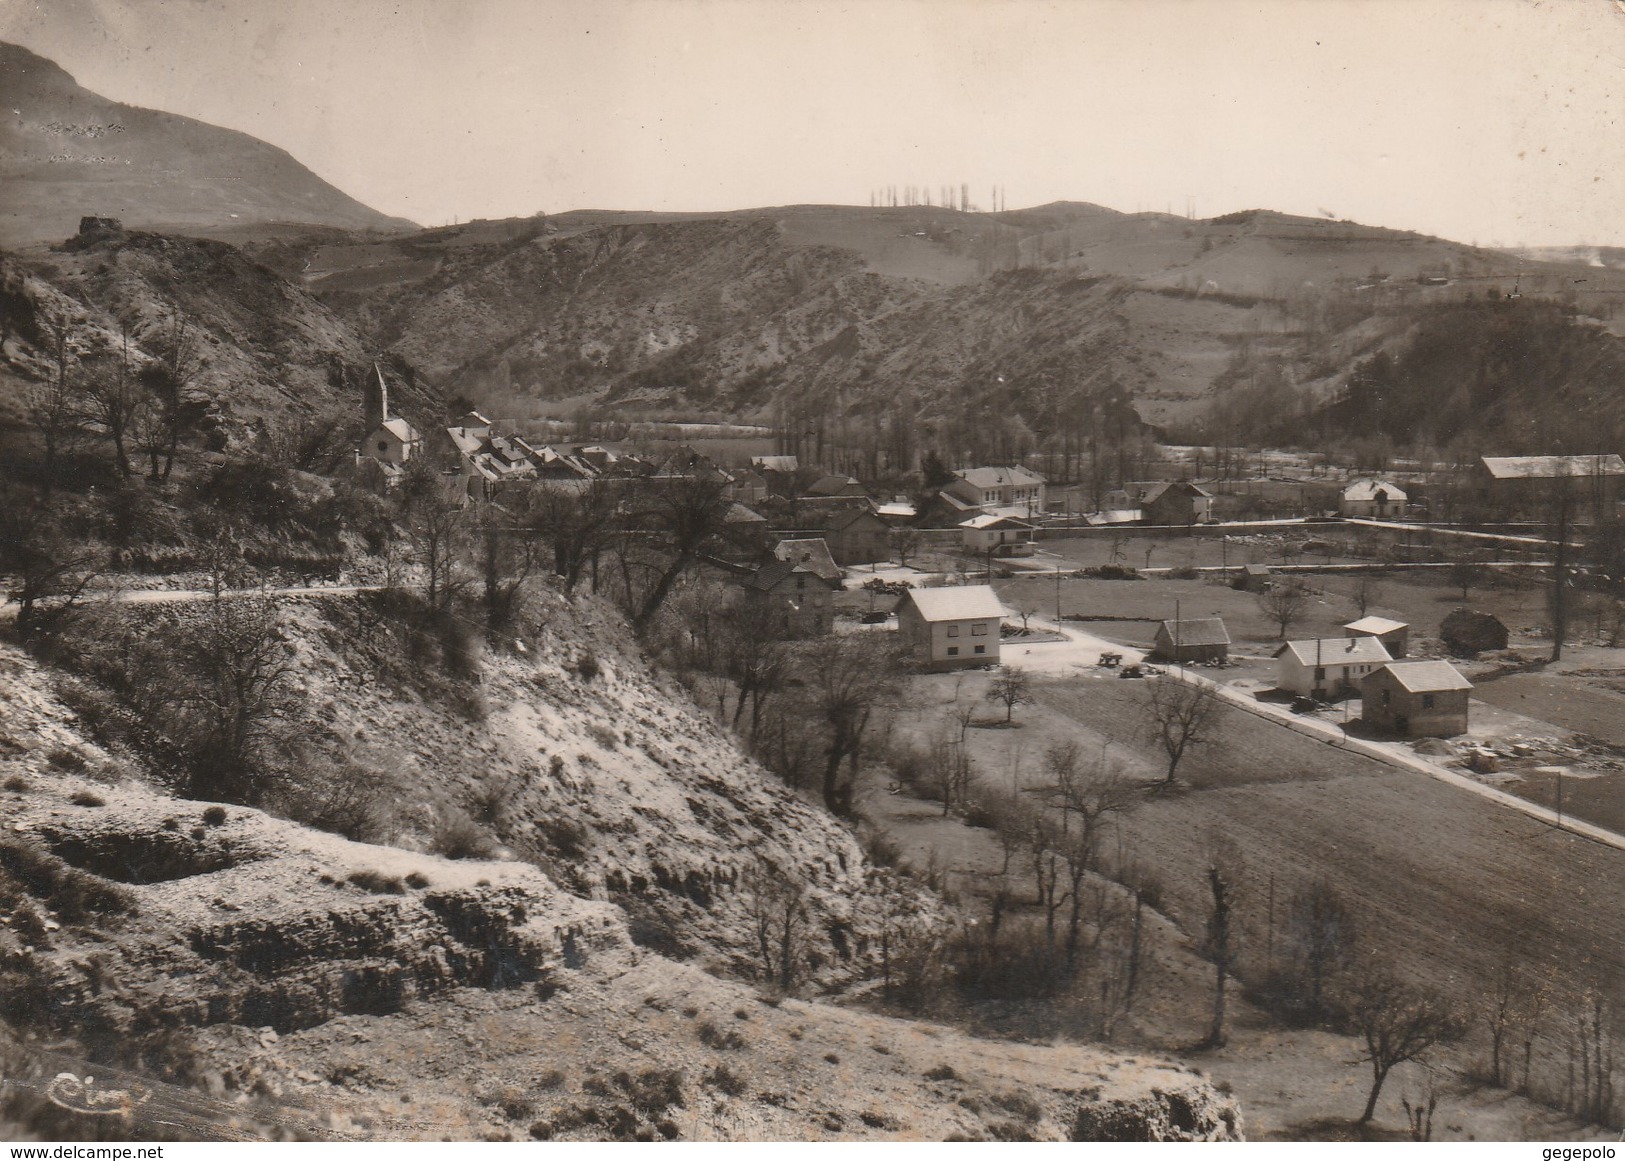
(1512, 486)
(799, 597)
(783, 465)
(1393, 634)
(746, 530)
(390, 440)
(1192, 641)
(998, 535)
(1416, 699)
(952, 627)
(858, 536)
(815, 555)
(898, 511)
(1372, 499)
(826, 487)
(745, 486)
(485, 462)
(1016, 488)
(1173, 504)
(1327, 665)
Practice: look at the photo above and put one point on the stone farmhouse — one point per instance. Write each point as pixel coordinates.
(1416, 699)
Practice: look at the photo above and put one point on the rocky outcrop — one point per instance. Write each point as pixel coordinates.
(1194, 1113)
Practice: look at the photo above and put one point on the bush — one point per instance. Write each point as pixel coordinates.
(336, 794)
(460, 837)
(17, 784)
(86, 798)
(63, 758)
(587, 667)
(725, 1080)
(376, 882)
(417, 880)
(721, 1039)
(942, 1072)
(215, 816)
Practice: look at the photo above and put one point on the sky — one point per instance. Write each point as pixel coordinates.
(1490, 121)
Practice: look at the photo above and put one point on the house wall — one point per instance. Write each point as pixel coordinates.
(1300, 679)
(1396, 642)
(385, 445)
(860, 544)
(1164, 649)
(1406, 714)
(949, 644)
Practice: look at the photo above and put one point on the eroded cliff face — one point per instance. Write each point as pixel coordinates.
(296, 982)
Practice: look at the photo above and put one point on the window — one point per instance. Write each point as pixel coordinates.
(1320, 673)
(953, 651)
(1427, 701)
(953, 630)
(1387, 697)
(383, 445)
(981, 649)
(979, 629)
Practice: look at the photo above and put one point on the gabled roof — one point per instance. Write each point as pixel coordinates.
(1158, 490)
(841, 520)
(1552, 467)
(1376, 626)
(1365, 491)
(994, 520)
(1114, 516)
(955, 502)
(812, 552)
(775, 463)
(833, 485)
(1336, 651)
(999, 477)
(1197, 631)
(964, 603)
(1427, 676)
(739, 514)
(1256, 569)
(400, 429)
(769, 576)
(897, 508)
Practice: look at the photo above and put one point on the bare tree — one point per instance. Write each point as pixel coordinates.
(177, 362)
(48, 574)
(1221, 941)
(112, 395)
(1011, 687)
(1284, 602)
(1319, 936)
(780, 925)
(905, 543)
(54, 407)
(437, 530)
(1181, 716)
(682, 516)
(578, 522)
(1396, 1023)
(1367, 592)
(847, 679)
(1464, 574)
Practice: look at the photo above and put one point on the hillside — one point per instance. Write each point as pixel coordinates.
(66, 152)
(820, 312)
(263, 350)
(590, 979)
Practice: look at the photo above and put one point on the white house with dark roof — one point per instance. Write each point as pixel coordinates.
(1416, 699)
(950, 628)
(1373, 499)
(1016, 488)
(1000, 535)
(1327, 665)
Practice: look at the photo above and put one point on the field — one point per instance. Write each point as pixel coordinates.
(1446, 886)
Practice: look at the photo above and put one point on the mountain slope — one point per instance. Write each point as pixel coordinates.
(67, 152)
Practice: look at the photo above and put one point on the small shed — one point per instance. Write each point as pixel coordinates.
(1416, 699)
(1254, 578)
(950, 628)
(1394, 635)
(1193, 640)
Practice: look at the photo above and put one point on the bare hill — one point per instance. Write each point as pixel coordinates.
(67, 152)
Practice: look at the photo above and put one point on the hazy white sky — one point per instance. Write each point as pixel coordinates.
(1483, 120)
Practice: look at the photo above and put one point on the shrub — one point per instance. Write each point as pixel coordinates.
(17, 784)
(460, 837)
(336, 794)
(942, 1072)
(725, 1080)
(377, 883)
(417, 880)
(86, 798)
(63, 758)
(587, 667)
(654, 1090)
(565, 837)
(215, 816)
(721, 1039)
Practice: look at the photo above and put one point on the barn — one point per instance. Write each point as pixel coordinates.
(1416, 699)
(1193, 641)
